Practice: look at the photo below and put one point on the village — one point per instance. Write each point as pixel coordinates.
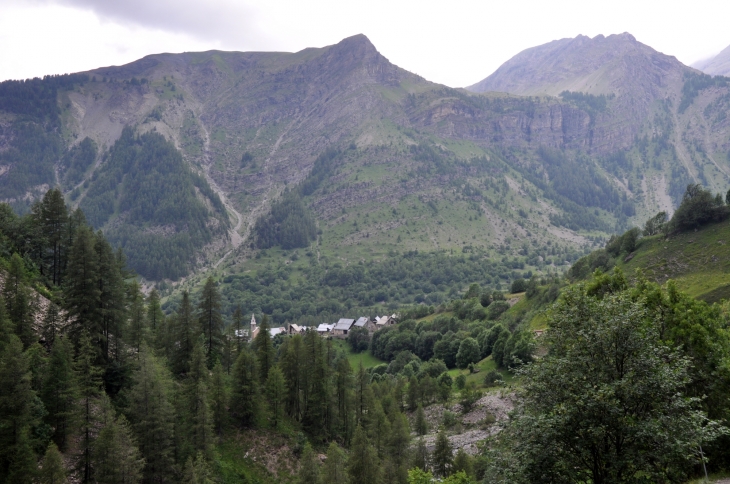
(340, 329)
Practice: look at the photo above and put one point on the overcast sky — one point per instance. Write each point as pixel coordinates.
(453, 42)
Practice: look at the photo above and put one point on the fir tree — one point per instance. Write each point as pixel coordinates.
(443, 456)
(111, 298)
(463, 463)
(19, 302)
(334, 470)
(421, 457)
(219, 398)
(291, 366)
(89, 385)
(309, 470)
(264, 349)
(152, 415)
(399, 440)
(421, 424)
(23, 465)
(51, 324)
(198, 411)
(245, 393)
(155, 316)
(211, 321)
(275, 392)
(60, 391)
(53, 219)
(116, 458)
(185, 335)
(16, 415)
(197, 471)
(362, 466)
(137, 322)
(52, 470)
(81, 289)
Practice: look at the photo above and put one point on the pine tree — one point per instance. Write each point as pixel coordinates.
(111, 298)
(291, 366)
(443, 456)
(362, 466)
(89, 386)
(199, 415)
(24, 465)
(334, 470)
(197, 471)
(421, 457)
(52, 469)
(116, 458)
(309, 470)
(19, 302)
(185, 335)
(60, 391)
(152, 415)
(211, 321)
(275, 392)
(463, 463)
(81, 290)
(219, 398)
(378, 429)
(399, 441)
(245, 393)
(137, 320)
(421, 424)
(343, 396)
(264, 349)
(53, 219)
(51, 325)
(155, 316)
(16, 414)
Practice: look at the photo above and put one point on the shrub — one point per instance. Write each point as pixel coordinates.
(460, 382)
(518, 285)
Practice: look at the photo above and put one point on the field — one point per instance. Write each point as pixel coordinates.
(355, 359)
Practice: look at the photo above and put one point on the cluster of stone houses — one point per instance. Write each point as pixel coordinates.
(340, 329)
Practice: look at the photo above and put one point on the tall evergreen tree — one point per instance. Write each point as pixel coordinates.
(291, 366)
(197, 413)
(16, 415)
(185, 335)
(443, 456)
(363, 466)
(153, 417)
(197, 471)
(264, 349)
(81, 289)
(211, 321)
(89, 385)
(137, 317)
(60, 391)
(52, 216)
(19, 301)
(245, 393)
(116, 458)
(111, 298)
(219, 398)
(275, 393)
(334, 470)
(309, 470)
(155, 316)
(52, 470)
(51, 324)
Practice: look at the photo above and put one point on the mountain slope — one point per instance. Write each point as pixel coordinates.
(718, 65)
(378, 159)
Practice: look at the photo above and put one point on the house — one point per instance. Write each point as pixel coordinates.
(296, 329)
(383, 321)
(366, 323)
(274, 331)
(342, 327)
(325, 329)
(241, 333)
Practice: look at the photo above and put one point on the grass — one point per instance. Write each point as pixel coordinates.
(355, 359)
(485, 366)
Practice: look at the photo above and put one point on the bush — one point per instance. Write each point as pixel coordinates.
(468, 353)
(460, 382)
(497, 308)
(359, 339)
(492, 378)
(698, 208)
(518, 285)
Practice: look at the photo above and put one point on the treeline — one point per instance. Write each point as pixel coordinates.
(695, 82)
(37, 98)
(369, 287)
(161, 221)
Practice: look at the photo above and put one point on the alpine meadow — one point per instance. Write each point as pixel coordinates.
(319, 268)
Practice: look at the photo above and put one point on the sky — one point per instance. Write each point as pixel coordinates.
(455, 42)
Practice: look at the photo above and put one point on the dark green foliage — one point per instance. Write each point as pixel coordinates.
(37, 98)
(694, 82)
(245, 390)
(468, 353)
(77, 160)
(52, 470)
(363, 464)
(655, 225)
(116, 458)
(442, 458)
(358, 339)
(60, 392)
(309, 472)
(421, 426)
(185, 333)
(289, 224)
(20, 306)
(145, 179)
(698, 207)
(518, 285)
(589, 102)
(211, 321)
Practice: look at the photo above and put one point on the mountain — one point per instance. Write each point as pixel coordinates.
(718, 65)
(291, 163)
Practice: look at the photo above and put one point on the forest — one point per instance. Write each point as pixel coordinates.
(99, 384)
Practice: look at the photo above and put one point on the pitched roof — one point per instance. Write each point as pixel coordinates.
(322, 328)
(344, 324)
(362, 322)
(274, 331)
